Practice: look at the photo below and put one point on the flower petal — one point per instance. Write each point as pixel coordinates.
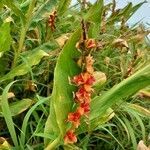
(70, 137)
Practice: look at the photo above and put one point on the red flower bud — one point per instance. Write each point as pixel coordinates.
(52, 20)
(78, 79)
(83, 78)
(82, 95)
(70, 137)
(85, 107)
(90, 43)
(74, 118)
(90, 80)
(88, 88)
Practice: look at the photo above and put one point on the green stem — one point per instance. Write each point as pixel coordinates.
(23, 31)
(54, 144)
(22, 38)
(15, 54)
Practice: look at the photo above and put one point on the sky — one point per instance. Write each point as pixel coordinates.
(142, 15)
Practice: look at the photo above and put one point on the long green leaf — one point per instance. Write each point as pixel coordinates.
(139, 109)
(119, 119)
(140, 122)
(126, 12)
(48, 6)
(7, 114)
(26, 119)
(119, 14)
(135, 8)
(63, 6)
(25, 67)
(124, 89)
(19, 106)
(131, 132)
(113, 137)
(94, 14)
(62, 91)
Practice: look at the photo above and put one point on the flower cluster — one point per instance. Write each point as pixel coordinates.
(82, 96)
(52, 19)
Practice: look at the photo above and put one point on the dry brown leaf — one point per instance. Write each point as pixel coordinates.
(62, 39)
(120, 43)
(4, 145)
(144, 93)
(11, 95)
(142, 146)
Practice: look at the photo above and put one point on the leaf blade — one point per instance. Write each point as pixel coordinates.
(126, 88)
(5, 32)
(25, 67)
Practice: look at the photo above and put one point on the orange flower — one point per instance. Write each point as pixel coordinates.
(70, 137)
(88, 88)
(74, 118)
(83, 78)
(85, 107)
(82, 95)
(78, 79)
(90, 43)
(88, 78)
(80, 110)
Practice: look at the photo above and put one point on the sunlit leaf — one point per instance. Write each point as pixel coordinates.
(119, 43)
(142, 146)
(10, 95)
(15, 9)
(141, 110)
(100, 79)
(18, 107)
(5, 37)
(144, 93)
(62, 39)
(25, 67)
(4, 145)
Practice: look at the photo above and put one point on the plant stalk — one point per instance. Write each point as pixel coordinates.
(54, 144)
(23, 31)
